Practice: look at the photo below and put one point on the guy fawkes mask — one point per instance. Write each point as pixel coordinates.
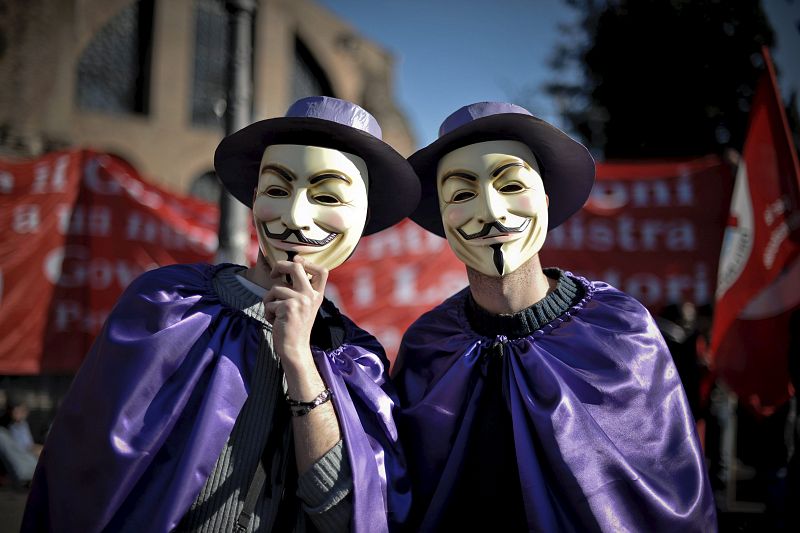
(310, 201)
(493, 205)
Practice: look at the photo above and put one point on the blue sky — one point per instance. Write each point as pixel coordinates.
(453, 52)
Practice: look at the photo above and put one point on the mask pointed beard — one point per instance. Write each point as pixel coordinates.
(289, 257)
(497, 257)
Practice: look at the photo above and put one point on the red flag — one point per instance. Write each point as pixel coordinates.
(758, 285)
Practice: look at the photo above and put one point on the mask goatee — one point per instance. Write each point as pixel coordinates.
(289, 257)
(497, 257)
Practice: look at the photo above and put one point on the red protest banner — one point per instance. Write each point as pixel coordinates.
(77, 227)
(759, 280)
(651, 229)
(76, 237)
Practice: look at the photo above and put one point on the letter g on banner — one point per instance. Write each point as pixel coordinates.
(54, 266)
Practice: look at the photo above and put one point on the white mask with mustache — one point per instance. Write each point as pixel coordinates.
(310, 201)
(493, 205)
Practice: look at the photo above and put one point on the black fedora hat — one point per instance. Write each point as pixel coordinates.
(566, 166)
(328, 123)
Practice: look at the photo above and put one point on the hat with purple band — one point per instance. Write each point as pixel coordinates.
(328, 123)
(566, 166)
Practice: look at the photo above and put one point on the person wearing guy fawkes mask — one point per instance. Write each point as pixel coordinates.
(222, 398)
(534, 399)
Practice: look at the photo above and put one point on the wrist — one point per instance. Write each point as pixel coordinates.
(302, 408)
(297, 361)
(303, 381)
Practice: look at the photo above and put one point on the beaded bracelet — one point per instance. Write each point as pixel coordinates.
(303, 408)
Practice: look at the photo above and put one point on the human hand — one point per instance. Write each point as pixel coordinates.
(292, 309)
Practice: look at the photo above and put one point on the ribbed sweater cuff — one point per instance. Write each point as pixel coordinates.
(327, 482)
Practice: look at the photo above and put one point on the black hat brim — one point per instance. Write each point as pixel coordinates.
(566, 167)
(394, 188)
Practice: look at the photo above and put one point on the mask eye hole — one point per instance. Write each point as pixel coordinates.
(511, 188)
(326, 199)
(463, 196)
(276, 192)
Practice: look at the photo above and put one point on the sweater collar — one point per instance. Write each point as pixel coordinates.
(566, 293)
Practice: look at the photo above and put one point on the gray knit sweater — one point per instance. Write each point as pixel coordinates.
(323, 490)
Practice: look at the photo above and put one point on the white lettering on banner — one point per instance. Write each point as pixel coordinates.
(139, 192)
(26, 218)
(405, 240)
(406, 290)
(389, 336)
(100, 220)
(651, 289)
(405, 278)
(6, 182)
(363, 288)
(684, 189)
(63, 213)
(75, 221)
(119, 181)
(70, 317)
(143, 228)
(648, 193)
(623, 233)
(92, 179)
(643, 193)
(56, 179)
(332, 294)
(71, 266)
(66, 313)
(608, 195)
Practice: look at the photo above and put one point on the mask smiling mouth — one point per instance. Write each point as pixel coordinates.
(298, 235)
(487, 228)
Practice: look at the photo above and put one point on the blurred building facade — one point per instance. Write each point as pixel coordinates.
(146, 79)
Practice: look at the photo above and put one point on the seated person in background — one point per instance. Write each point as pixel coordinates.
(534, 399)
(225, 398)
(18, 451)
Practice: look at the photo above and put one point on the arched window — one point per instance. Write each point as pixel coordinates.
(211, 57)
(308, 78)
(206, 187)
(114, 69)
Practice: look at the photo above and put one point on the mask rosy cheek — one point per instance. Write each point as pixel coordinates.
(456, 216)
(262, 209)
(528, 206)
(336, 219)
(525, 203)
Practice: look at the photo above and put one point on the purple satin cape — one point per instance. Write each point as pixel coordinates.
(153, 404)
(603, 434)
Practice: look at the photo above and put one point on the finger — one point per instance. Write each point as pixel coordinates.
(279, 269)
(300, 281)
(280, 274)
(279, 293)
(319, 275)
(271, 311)
(283, 268)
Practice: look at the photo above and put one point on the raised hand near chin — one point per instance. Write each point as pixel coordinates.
(291, 310)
